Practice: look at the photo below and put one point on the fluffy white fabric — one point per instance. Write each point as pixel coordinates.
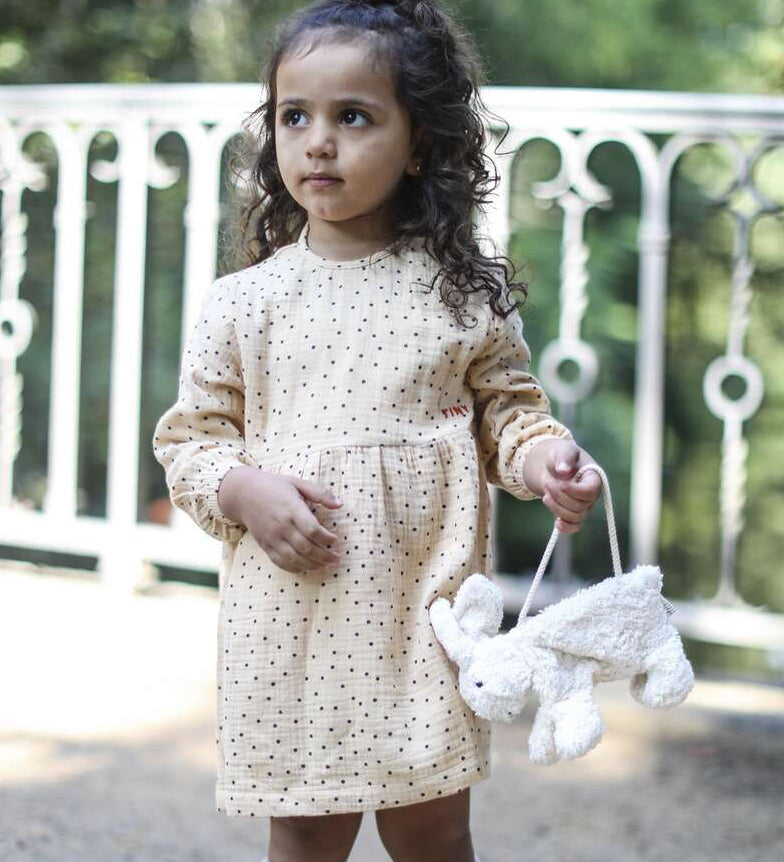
(614, 629)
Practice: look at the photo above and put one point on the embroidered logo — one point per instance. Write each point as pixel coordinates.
(456, 410)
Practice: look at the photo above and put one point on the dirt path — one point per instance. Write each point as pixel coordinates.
(107, 752)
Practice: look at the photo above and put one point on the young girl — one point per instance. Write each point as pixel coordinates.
(336, 425)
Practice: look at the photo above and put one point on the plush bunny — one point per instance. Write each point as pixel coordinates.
(614, 629)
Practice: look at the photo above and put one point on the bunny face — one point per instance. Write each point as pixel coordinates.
(497, 681)
(495, 670)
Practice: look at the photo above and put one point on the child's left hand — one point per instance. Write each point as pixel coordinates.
(555, 462)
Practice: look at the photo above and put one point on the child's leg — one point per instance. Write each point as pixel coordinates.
(433, 831)
(320, 838)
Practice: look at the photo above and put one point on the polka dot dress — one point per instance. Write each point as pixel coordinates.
(334, 694)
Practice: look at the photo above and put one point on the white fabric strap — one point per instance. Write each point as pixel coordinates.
(608, 509)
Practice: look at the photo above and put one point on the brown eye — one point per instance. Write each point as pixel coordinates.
(287, 116)
(354, 113)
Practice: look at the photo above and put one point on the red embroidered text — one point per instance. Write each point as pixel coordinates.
(456, 410)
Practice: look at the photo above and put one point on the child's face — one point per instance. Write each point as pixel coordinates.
(368, 147)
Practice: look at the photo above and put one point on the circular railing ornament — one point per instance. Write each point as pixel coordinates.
(16, 327)
(733, 409)
(584, 357)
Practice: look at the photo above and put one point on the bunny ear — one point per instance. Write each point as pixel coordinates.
(478, 606)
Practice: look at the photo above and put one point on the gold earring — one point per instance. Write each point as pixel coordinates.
(419, 168)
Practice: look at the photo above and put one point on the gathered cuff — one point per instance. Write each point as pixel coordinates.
(207, 512)
(512, 466)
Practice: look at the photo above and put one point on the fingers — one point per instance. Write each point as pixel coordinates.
(296, 556)
(570, 501)
(294, 553)
(564, 501)
(586, 490)
(563, 458)
(310, 543)
(569, 520)
(313, 554)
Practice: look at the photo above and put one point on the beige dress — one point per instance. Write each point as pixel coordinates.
(333, 693)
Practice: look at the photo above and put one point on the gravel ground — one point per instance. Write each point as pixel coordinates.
(107, 752)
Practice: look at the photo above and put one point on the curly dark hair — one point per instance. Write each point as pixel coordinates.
(437, 73)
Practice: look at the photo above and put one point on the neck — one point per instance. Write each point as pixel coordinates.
(349, 239)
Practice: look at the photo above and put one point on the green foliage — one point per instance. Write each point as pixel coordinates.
(702, 45)
(649, 44)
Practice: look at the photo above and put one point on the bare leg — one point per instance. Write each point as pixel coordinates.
(321, 838)
(433, 831)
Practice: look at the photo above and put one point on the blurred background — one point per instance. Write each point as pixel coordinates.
(641, 196)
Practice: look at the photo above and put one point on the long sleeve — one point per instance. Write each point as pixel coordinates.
(201, 436)
(512, 411)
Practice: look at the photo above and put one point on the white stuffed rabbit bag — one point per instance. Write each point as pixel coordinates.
(617, 628)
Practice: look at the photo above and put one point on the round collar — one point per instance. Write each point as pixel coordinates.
(368, 260)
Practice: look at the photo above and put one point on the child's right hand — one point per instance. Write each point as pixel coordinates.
(275, 508)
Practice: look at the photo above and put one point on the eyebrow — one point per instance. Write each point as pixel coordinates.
(348, 100)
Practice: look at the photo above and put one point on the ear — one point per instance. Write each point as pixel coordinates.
(475, 615)
(417, 137)
(416, 153)
(458, 645)
(479, 606)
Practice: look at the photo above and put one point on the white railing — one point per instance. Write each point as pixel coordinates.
(206, 117)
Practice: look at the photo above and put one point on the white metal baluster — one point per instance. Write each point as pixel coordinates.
(69, 222)
(120, 563)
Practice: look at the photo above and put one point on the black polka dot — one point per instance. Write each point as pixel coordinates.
(333, 693)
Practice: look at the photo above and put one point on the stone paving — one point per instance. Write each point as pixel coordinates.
(107, 751)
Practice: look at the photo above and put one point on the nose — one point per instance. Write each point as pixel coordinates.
(479, 684)
(320, 141)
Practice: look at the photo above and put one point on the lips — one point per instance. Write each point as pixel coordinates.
(318, 181)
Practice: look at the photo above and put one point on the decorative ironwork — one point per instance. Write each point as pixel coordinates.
(206, 117)
(17, 316)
